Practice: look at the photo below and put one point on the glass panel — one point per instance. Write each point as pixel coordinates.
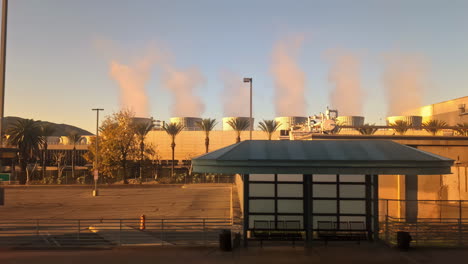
(354, 222)
(324, 222)
(260, 221)
(353, 207)
(262, 190)
(290, 177)
(324, 190)
(262, 177)
(262, 206)
(324, 178)
(324, 207)
(352, 178)
(290, 222)
(290, 206)
(352, 191)
(290, 190)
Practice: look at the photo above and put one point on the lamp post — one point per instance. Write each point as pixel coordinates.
(249, 80)
(3, 43)
(96, 172)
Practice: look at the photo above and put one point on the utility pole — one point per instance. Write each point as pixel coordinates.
(3, 43)
(249, 80)
(96, 160)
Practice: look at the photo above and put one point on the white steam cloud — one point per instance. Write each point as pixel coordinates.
(347, 95)
(289, 79)
(235, 96)
(403, 81)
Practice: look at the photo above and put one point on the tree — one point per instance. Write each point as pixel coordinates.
(462, 129)
(26, 135)
(59, 158)
(367, 129)
(238, 125)
(400, 126)
(269, 127)
(73, 139)
(173, 129)
(434, 126)
(47, 130)
(141, 130)
(117, 144)
(207, 125)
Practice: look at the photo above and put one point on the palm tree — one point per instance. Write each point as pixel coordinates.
(26, 135)
(141, 130)
(47, 130)
(207, 125)
(73, 139)
(400, 126)
(367, 129)
(269, 127)
(434, 126)
(173, 129)
(239, 125)
(462, 129)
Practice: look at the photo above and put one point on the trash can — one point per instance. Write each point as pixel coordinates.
(403, 240)
(225, 240)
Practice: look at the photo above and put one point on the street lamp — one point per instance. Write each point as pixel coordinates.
(249, 80)
(96, 172)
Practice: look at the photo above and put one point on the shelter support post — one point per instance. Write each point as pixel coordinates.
(308, 208)
(245, 179)
(375, 200)
(411, 197)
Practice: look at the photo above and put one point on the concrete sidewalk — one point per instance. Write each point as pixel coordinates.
(338, 253)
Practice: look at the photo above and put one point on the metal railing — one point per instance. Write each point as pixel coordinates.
(112, 232)
(446, 232)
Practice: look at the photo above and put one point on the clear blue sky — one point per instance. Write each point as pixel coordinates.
(56, 73)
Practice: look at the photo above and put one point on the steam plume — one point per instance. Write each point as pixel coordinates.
(403, 81)
(347, 95)
(132, 80)
(235, 95)
(289, 79)
(182, 83)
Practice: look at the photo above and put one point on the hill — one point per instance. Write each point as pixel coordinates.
(60, 129)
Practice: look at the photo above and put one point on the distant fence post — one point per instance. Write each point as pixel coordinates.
(386, 228)
(460, 223)
(162, 232)
(204, 233)
(37, 227)
(79, 227)
(120, 232)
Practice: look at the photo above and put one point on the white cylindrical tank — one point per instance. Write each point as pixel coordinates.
(350, 120)
(415, 121)
(189, 123)
(227, 127)
(286, 122)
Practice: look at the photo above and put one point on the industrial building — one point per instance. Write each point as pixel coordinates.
(452, 111)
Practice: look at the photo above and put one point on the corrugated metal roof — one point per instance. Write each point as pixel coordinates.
(276, 155)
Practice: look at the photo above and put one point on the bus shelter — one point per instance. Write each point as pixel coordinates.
(318, 188)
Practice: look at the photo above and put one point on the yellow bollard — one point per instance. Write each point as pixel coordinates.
(142, 222)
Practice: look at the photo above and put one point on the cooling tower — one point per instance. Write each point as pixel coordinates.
(142, 120)
(286, 122)
(415, 121)
(190, 123)
(227, 127)
(355, 121)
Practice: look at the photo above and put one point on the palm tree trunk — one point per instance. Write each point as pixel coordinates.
(173, 151)
(44, 158)
(22, 174)
(142, 149)
(73, 162)
(238, 139)
(207, 143)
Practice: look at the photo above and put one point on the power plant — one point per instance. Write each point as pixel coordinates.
(227, 127)
(414, 121)
(189, 123)
(288, 122)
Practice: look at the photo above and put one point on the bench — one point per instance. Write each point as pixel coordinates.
(344, 230)
(283, 231)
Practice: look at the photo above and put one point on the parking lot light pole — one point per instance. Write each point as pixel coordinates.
(249, 80)
(96, 160)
